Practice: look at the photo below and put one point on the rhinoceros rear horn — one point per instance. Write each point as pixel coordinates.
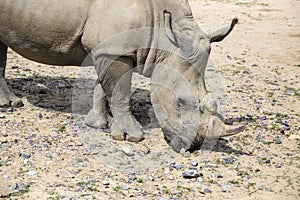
(219, 34)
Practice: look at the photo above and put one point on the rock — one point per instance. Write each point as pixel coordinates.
(106, 182)
(194, 164)
(25, 161)
(177, 166)
(124, 187)
(10, 109)
(278, 141)
(127, 151)
(228, 160)
(31, 173)
(6, 176)
(191, 174)
(207, 191)
(219, 176)
(150, 178)
(5, 135)
(3, 140)
(2, 116)
(41, 88)
(19, 186)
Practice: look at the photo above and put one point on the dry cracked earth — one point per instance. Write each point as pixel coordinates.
(46, 152)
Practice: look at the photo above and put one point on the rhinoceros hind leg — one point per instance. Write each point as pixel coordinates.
(7, 98)
(97, 117)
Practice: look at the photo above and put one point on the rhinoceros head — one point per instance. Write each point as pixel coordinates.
(184, 108)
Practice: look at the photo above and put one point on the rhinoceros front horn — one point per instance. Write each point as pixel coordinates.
(232, 130)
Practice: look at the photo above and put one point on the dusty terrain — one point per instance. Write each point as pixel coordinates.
(46, 152)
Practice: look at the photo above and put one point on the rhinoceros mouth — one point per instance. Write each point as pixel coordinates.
(213, 131)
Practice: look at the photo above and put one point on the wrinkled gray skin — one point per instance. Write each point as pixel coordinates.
(103, 33)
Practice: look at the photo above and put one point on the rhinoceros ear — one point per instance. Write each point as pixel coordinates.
(168, 28)
(219, 34)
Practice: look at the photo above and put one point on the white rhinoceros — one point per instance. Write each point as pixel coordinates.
(157, 38)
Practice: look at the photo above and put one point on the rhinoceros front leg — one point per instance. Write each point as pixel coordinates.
(97, 117)
(116, 83)
(7, 98)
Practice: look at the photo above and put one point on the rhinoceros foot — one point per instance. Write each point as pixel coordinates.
(96, 120)
(132, 132)
(7, 98)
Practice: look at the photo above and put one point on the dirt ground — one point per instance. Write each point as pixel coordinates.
(46, 152)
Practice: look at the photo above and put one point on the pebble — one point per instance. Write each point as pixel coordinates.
(124, 187)
(178, 166)
(19, 186)
(10, 109)
(278, 141)
(150, 178)
(5, 135)
(5, 176)
(3, 140)
(228, 160)
(127, 151)
(2, 116)
(207, 191)
(25, 161)
(191, 174)
(41, 88)
(106, 182)
(194, 164)
(31, 173)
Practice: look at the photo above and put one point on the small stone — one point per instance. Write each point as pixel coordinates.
(106, 182)
(127, 151)
(14, 67)
(5, 176)
(191, 174)
(31, 173)
(200, 180)
(178, 166)
(3, 140)
(19, 186)
(5, 135)
(147, 151)
(124, 187)
(25, 161)
(2, 116)
(48, 155)
(278, 165)
(239, 173)
(80, 144)
(219, 176)
(171, 178)
(184, 153)
(41, 88)
(207, 191)
(228, 160)
(40, 115)
(194, 164)
(278, 141)
(10, 109)
(150, 178)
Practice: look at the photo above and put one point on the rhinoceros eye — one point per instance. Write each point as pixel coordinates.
(181, 102)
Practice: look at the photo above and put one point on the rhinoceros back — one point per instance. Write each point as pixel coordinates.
(45, 31)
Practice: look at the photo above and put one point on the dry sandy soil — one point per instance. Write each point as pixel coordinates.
(46, 152)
